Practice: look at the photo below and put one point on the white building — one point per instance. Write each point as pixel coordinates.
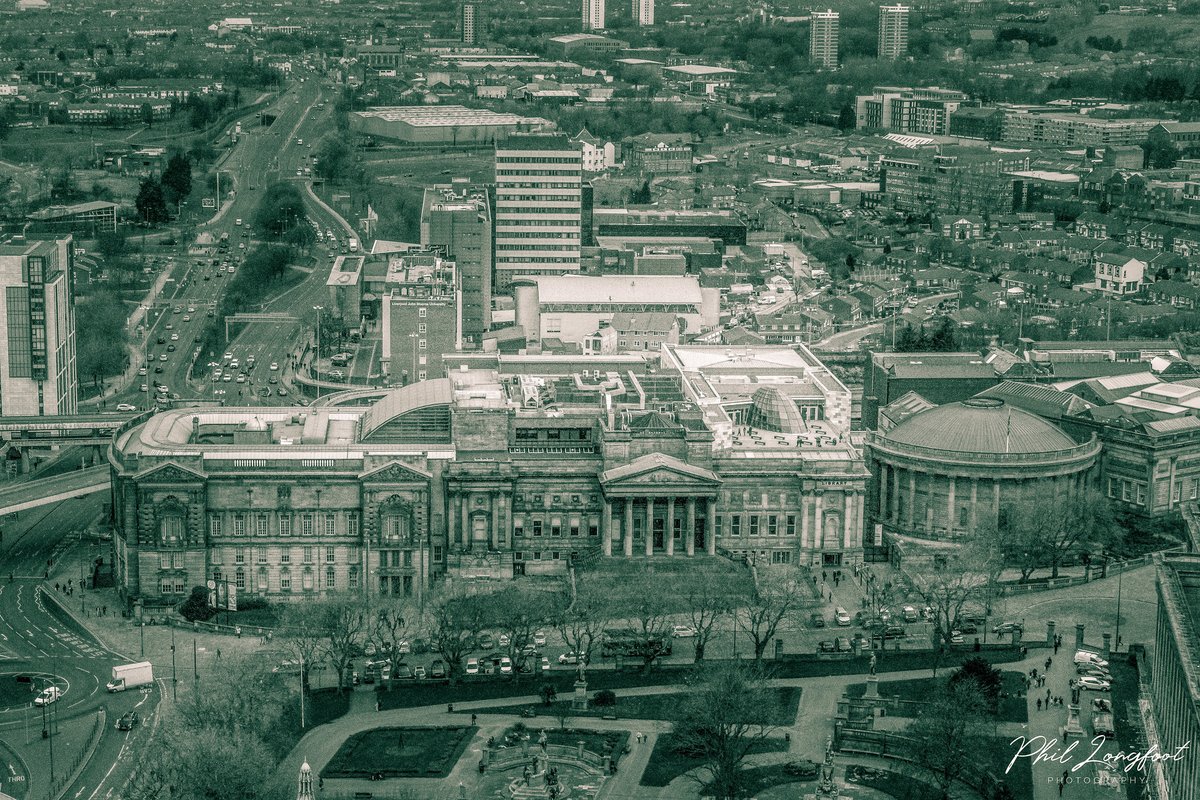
(598, 155)
(593, 15)
(893, 32)
(823, 38)
(571, 307)
(1119, 275)
(643, 12)
(539, 207)
(468, 23)
(37, 329)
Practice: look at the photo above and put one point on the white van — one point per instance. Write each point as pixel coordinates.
(842, 617)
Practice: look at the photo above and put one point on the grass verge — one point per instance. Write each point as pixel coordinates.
(666, 764)
(400, 753)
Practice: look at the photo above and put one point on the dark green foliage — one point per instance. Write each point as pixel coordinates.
(605, 698)
(196, 607)
(943, 338)
(400, 752)
(280, 209)
(986, 678)
(641, 196)
(177, 178)
(1106, 43)
(151, 203)
(333, 158)
(1161, 152)
(101, 337)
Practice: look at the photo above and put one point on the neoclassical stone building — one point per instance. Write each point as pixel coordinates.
(944, 470)
(492, 473)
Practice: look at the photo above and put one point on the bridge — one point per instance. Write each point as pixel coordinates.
(95, 429)
(44, 491)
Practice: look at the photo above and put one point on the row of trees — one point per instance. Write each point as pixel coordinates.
(157, 195)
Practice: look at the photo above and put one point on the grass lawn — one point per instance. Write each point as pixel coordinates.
(1012, 708)
(666, 765)
(13, 694)
(901, 787)
(1020, 778)
(602, 743)
(760, 779)
(400, 753)
(652, 706)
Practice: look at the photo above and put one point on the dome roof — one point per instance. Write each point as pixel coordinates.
(775, 411)
(980, 425)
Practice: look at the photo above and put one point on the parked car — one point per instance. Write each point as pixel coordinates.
(826, 647)
(403, 672)
(437, 670)
(472, 666)
(815, 620)
(1102, 705)
(894, 632)
(419, 672)
(910, 614)
(843, 644)
(503, 641)
(1008, 627)
(570, 657)
(379, 664)
(842, 617)
(506, 665)
(127, 406)
(487, 642)
(1088, 657)
(1088, 683)
(683, 632)
(128, 721)
(545, 664)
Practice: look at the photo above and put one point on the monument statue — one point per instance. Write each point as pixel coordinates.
(872, 663)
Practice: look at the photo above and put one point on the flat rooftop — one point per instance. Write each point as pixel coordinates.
(441, 116)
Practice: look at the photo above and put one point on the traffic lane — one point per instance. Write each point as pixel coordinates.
(30, 539)
(119, 752)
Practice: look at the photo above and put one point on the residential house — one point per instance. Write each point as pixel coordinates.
(939, 278)
(795, 324)
(645, 331)
(844, 308)
(964, 228)
(1118, 274)
(1063, 273)
(872, 300)
(1152, 236)
(1175, 293)
(1093, 225)
(1020, 285)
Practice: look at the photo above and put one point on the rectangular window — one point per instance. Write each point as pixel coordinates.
(421, 327)
(790, 530)
(437, 552)
(285, 581)
(772, 525)
(308, 555)
(239, 555)
(285, 556)
(1112, 487)
(1126, 493)
(329, 555)
(308, 580)
(261, 525)
(518, 526)
(20, 336)
(408, 558)
(214, 526)
(330, 582)
(239, 525)
(167, 586)
(1176, 491)
(718, 521)
(330, 525)
(285, 524)
(240, 579)
(781, 557)
(1141, 494)
(735, 525)
(307, 524)
(556, 526)
(352, 525)
(574, 527)
(422, 312)
(593, 529)
(260, 555)
(1195, 488)
(176, 560)
(754, 524)
(262, 579)
(537, 527)
(164, 561)
(353, 577)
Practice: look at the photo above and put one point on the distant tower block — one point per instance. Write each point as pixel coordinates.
(823, 38)
(593, 15)
(893, 32)
(643, 12)
(468, 23)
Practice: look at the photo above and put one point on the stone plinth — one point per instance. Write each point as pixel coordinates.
(579, 701)
(1073, 729)
(872, 686)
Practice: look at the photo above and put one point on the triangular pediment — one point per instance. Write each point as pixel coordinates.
(169, 472)
(658, 470)
(395, 472)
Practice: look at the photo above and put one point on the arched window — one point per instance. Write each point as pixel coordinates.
(263, 586)
(171, 518)
(308, 579)
(395, 521)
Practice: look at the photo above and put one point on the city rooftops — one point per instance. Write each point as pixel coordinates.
(935, 365)
(584, 290)
(440, 116)
(700, 70)
(347, 270)
(57, 212)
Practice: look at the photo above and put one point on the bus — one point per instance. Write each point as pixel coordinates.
(629, 642)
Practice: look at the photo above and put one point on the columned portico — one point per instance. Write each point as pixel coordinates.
(650, 488)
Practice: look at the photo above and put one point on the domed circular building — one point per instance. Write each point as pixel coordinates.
(942, 471)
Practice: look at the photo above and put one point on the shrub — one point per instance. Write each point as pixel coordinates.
(802, 769)
(196, 606)
(605, 698)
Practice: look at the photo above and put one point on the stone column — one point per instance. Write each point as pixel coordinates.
(894, 511)
(649, 526)
(818, 527)
(628, 527)
(912, 497)
(951, 516)
(974, 504)
(1106, 651)
(996, 499)
(466, 520)
(495, 532)
(670, 535)
(1050, 633)
(710, 537)
(883, 492)
(455, 518)
(689, 532)
(1078, 636)
(607, 531)
(805, 502)
(856, 535)
(851, 505)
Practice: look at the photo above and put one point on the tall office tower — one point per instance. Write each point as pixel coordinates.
(643, 12)
(468, 23)
(458, 218)
(823, 38)
(37, 329)
(893, 32)
(593, 15)
(538, 207)
(422, 316)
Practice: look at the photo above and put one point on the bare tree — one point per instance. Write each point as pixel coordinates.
(708, 604)
(1030, 537)
(951, 731)
(652, 625)
(456, 620)
(776, 598)
(345, 625)
(582, 624)
(728, 710)
(518, 613)
(394, 621)
(961, 576)
(303, 635)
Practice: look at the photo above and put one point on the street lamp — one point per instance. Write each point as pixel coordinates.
(317, 357)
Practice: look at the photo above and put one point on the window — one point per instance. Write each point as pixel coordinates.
(239, 579)
(518, 526)
(422, 312)
(330, 582)
(421, 327)
(556, 526)
(1126, 494)
(308, 555)
(260, 555)
(167, 586)
(239, 555)
(781, 557)
(262, 579)
(735, 525)
(537, 527)
(214, 526)
(285, 580)
(239, 525)
(1141, 494)
(437, 552)
(285, 524)
(718, 521)
(1176, 491)
(593, 529)
(574, 527)
(1195, 488)
(261, 525)
(164, 560)
(307, 579)
(353, 577)
(352, 524)
(772, 525)
(754, 524)
(790, 528)
(408, 558)
(285, 556)
(1112, 487)
(329, 555)
(306, 525)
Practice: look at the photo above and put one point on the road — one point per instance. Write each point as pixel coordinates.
(39, 640)
(850, 339)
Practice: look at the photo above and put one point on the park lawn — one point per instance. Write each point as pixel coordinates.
(759, 779)
(901, 787)
(1020, 778)
(666, 765)
(400, 753)
(13, 694)
(1012, 708)
(651, 707)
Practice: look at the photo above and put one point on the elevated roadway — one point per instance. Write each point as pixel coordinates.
(46, 491)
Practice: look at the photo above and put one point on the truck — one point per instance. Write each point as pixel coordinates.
(131, 676)
(353, 245)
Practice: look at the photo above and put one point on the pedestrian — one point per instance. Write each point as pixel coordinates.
(56, 587)
(1066, 775)
(831, 597)
(1047, 695)
(321, 783)
(218, 652)
(824, 575)
(379, 707)
(106, 611)
(1039, 704)
(1049, 661)
(473, 718)
(1061, 784)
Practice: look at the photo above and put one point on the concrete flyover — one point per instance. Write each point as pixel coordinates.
(44, 491)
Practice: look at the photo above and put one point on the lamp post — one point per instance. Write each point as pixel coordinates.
(317, 356)
(1117, 636)
(174, 677)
